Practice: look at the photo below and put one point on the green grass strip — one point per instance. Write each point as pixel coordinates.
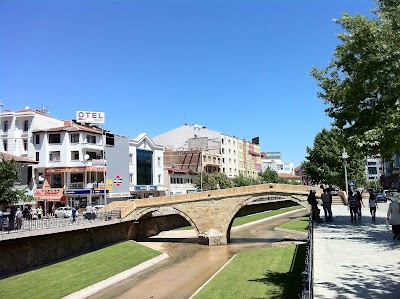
(254, 217)
(299, 224)
(63, 278)
(268, 273)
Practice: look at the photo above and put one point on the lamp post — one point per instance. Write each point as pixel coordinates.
(104, 173)
(345, 156)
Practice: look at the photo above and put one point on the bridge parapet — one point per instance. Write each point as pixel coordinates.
(283, 189)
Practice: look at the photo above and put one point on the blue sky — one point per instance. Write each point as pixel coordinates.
(238, 67)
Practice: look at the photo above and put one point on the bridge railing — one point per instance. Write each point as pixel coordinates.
(237, 191)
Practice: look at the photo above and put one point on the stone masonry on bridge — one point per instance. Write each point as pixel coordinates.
(211, 213)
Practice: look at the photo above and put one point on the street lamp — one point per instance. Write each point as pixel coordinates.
(104, 173)
(345, 156)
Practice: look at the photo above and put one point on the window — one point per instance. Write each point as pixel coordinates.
(75, 155)
(130, 159)
(91, 139)
(92, 155)
(54, 156)
(37, 156)
(25, 144)
(130, 178)
(159, 178)
(54, 138)
(5, 145)
(158, 161)
(74, 138)
(37, 138)
(5, 127)
(26, 126)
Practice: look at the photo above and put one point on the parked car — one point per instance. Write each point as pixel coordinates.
(381, 197)
(64, 212)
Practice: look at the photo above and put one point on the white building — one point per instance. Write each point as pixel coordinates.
(232, 156)
(273, 161)
(146, 169)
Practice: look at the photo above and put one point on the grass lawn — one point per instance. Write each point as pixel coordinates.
(299, 224)
(63, 278)
(270, 273)
(254, 217)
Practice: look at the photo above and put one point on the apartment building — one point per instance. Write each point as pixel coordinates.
(80, 163)
(146, 167)
(220, 152)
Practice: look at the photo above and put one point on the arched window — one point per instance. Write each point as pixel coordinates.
(26, 126)
(5, 128)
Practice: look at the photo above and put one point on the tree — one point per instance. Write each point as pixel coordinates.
(9, 173)
(361, 84)
(213, 181)
(324, 163)
(241, 180)
(270, 176)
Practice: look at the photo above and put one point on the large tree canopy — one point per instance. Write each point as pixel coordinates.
(9, 174)
(324, 163)
(361, 85)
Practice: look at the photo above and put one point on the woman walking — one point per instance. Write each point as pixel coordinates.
(393, 216)
(352, 207)
(373, 204)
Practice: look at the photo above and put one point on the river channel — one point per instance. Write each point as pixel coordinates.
(190, 264)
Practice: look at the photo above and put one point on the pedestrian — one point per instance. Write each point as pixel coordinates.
(312, 200)
(93, 213)
(33, 213)
(359, 202)
(88, 214)
(352, 206)
(39, 212)
(393, 216)
(25, 213)
(11, 218)
(327, 204)
(373, 204)
(73, 213)
(18, 218)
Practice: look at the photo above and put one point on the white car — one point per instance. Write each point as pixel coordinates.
(64, 212)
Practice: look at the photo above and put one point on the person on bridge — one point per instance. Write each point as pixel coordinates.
(393, 216)
(327, 204)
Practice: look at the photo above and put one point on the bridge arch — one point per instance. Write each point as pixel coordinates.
(241, 205)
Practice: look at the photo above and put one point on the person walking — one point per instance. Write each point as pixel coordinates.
(39, 212)
(373, 204)
(393, 216)
(327, 204)
(359, 202)
(18, 218)
(73, 214)
(352, 206)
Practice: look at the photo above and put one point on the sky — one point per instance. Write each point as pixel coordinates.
(238, 67)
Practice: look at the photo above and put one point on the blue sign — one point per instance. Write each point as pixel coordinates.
(351, 182)
(140, 188)
(82, 191)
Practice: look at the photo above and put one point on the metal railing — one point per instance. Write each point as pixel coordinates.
(307, 275)
(52, 222)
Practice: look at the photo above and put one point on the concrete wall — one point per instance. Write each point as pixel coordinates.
(23, 254)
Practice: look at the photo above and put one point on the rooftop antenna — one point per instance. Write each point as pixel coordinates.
(44, 110)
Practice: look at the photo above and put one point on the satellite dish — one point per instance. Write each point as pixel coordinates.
(86, 157)
(40, 178)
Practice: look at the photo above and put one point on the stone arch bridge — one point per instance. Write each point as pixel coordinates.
(211, 213)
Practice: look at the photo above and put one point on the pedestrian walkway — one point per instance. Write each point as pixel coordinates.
(356, 260)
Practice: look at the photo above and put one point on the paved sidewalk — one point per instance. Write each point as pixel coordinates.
(356, 260)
